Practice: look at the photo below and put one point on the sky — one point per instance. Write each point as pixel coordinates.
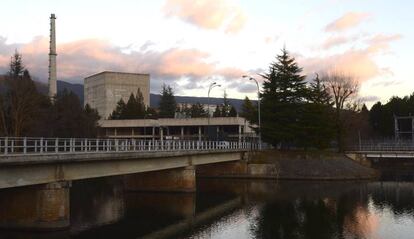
(189, 44)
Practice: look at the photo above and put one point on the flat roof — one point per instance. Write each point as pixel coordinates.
(117, 72)
(172, 122)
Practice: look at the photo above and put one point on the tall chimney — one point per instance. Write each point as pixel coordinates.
(52, 59)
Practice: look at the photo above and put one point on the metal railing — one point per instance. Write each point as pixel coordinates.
(26, 145)
(385, 146)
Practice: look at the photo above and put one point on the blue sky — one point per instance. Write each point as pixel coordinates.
(190, 43)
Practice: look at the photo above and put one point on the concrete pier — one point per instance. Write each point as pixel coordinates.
(96, 202)
(172, 180)
(39, 207)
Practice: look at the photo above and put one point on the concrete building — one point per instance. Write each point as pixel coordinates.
(102, 91)
(220, 128)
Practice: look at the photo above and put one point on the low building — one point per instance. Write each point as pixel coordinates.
(217, 128)
(102, 91)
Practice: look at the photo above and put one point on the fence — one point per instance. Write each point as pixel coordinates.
(76, 145)
(385, 145)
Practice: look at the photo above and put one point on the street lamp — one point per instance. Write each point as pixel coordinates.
(258, 107)
(212, 85)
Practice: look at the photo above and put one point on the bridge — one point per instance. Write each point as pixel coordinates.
(36, 173)
(384, 149)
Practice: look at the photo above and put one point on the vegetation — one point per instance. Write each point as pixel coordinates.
(26, 112)
(168, 105)
(381, 116)
(300, 114)
(226, 109)
(133, 109)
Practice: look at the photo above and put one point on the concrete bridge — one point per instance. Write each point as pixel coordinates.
(36, 173)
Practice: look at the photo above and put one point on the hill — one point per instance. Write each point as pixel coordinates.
(154, 98)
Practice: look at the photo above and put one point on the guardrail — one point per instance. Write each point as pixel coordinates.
(385, 146)
(27, 145)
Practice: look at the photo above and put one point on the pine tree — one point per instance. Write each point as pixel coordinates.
(168, 105)
(284, 92)
(16, 66)
(316, 119)
(225, 109)
(217, 112)
(197, 111)
(248, 110)
(119, 111)
(233, 112)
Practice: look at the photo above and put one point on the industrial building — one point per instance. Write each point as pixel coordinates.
(217, 128)
(102, 91)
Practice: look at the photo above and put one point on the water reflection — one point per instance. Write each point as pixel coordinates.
(243, 209)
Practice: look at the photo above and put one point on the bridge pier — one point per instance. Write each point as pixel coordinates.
(38, 207)
(171, 180)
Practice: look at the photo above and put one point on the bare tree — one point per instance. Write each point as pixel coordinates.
(342, 87)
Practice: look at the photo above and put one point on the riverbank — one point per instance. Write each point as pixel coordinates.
(313, 165)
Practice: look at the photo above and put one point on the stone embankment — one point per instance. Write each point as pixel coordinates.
(314, 165)
(291, 165)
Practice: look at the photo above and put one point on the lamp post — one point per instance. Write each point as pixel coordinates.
(212, 85)
(258, 108)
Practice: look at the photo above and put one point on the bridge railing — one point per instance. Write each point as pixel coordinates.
(385, 145)
(28, 145)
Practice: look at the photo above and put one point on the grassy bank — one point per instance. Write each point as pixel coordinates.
(314, 165)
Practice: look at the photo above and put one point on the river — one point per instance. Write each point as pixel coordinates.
(250, 209)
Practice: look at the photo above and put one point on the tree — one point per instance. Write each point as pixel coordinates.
(168, 105)
(197, 111)
(217, 112)
(317, 122)
(233, 112)
(151, 113)
(68, 116)
(225, 108)
(19, 103)
(90, 121)
(133, 109)
(119, 111)
(284, 92)
(248, 110)
(342, 87)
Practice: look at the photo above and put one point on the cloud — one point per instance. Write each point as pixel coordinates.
(207, 14)
(335, 41)
(370, 98)
(82, 58)
(359, 62)
(349, 20)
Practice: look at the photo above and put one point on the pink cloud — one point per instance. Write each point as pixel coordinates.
(81, 58)
(357, 62)
(208, 14)
(349, 20)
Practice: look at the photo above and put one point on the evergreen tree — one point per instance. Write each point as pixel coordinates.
(225, 108)
(151, 113)
(317, 119)
(90, 121)
(248, 111)
(197, 111)
(319, 94)
(233, 112)
(119, 111)
(168, 105)
(132, 108)
(217, 112)
(16, 66)
(284, 92)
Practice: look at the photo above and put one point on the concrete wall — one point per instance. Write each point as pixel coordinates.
(103, 90)
(173, 180)
(40, 207)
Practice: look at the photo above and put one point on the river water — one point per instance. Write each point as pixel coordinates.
(252, 209)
